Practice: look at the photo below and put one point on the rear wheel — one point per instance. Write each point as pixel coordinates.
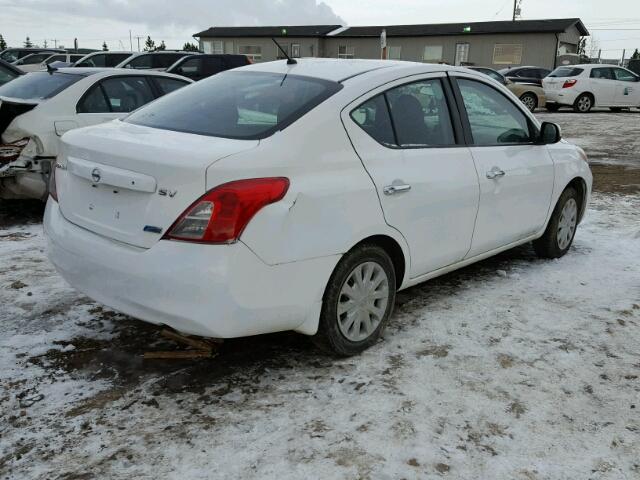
(583, 104)
(530, 101)
(552, 107)
(358, 301)
(558, 236)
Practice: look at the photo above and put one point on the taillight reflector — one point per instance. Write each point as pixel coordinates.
(569, 83)
(53, 189)
(221, 214)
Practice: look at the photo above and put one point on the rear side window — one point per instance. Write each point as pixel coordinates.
(126, 94)
(164, 60)
(373, 117)
(420, 114)
(141, 62)
(168, 85)
(112, 60)
(242, 105)
(94, 102)
(602, 73)
(494, 119)
(563, 72)
(39, 85)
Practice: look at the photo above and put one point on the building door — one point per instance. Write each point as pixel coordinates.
(462, 53)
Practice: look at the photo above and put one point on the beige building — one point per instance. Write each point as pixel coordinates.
(490, 44)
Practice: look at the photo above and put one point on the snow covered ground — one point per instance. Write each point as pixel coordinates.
(514, 368)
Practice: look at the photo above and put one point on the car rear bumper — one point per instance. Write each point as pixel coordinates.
(563, 96)
(220, 291)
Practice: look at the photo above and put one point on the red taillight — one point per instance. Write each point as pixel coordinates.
(221, 214)
(569, 83)
(11, 151)
(53, 189)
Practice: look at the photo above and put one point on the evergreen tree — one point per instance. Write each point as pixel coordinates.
(105, 48)
(28, 43)
(3, 44)
(635, 56)
(162, 46)
(190, 47)
(149, 45)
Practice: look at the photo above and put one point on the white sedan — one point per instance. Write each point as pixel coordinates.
(302, 197)
(39, 107)
(584, 87)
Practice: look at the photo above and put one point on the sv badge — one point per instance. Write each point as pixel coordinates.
(164, 192)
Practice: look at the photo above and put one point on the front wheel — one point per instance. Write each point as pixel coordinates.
(583, 104)
(530, 101)
(358, 301)
(558, 236)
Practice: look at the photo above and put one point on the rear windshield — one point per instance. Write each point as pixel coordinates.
(566, 72)
(241, 105)
(38, 85)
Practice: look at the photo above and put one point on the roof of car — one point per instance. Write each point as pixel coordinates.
(335, 69)
(87, 71)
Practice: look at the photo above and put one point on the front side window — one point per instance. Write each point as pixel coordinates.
(165, 60)
(9, 56)
(34, 59)
(56, 58)
(493, 118)
(507, 54)
(241, 105)
(126, 94)
(345, 52)
(191, 68)
(39, 85)
(141, 63)
(602, 73)
(432, 54)
(253, 52)
(6, 75)
(373, 117)
(624, 75)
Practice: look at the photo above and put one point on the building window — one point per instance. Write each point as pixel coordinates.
(295, 50)
(507, 54)
(253, 52)
(394, 53)
(462, 54)
(346, 52)
(432, 54)
(217, 47)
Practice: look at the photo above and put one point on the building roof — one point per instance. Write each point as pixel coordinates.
(274, 31)
(437, 29)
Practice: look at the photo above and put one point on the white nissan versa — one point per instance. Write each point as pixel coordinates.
(302, 197)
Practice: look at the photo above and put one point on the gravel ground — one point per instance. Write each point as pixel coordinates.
(513, 368)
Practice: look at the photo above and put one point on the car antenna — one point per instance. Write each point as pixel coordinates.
(290, 61)
(51, 69)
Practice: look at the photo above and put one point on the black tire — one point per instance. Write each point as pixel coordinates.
(552, 107)
(330, 337)
(584, 103)
(530, 101)
(548, 245)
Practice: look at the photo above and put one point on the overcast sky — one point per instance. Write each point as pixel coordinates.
(615, 24)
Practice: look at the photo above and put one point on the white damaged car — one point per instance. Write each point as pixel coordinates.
(303, 196)
(36, 109)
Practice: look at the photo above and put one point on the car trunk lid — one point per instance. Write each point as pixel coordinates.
(12, 108)
(130, 183)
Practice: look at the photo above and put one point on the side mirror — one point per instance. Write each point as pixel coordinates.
(549, 133)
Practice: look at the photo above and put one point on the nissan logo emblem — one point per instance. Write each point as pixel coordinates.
(95, 175)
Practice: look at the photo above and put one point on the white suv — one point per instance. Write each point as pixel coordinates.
(302, 197)
(586, 86)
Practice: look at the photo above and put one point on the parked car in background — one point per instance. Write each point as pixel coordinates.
(14, 54)
(152, 60)
(39, 61)
(583, 87)
(8, 72)
(39, 107)
(530, 94)
(199, 66)
(525, 74)
(220, 211)
(103, 59)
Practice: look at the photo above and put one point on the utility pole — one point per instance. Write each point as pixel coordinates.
(130, 42)
(516, 9)
(138, 37)
(624, 52)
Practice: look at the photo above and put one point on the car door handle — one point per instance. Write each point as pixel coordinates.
(396, 188)
(494, 173)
